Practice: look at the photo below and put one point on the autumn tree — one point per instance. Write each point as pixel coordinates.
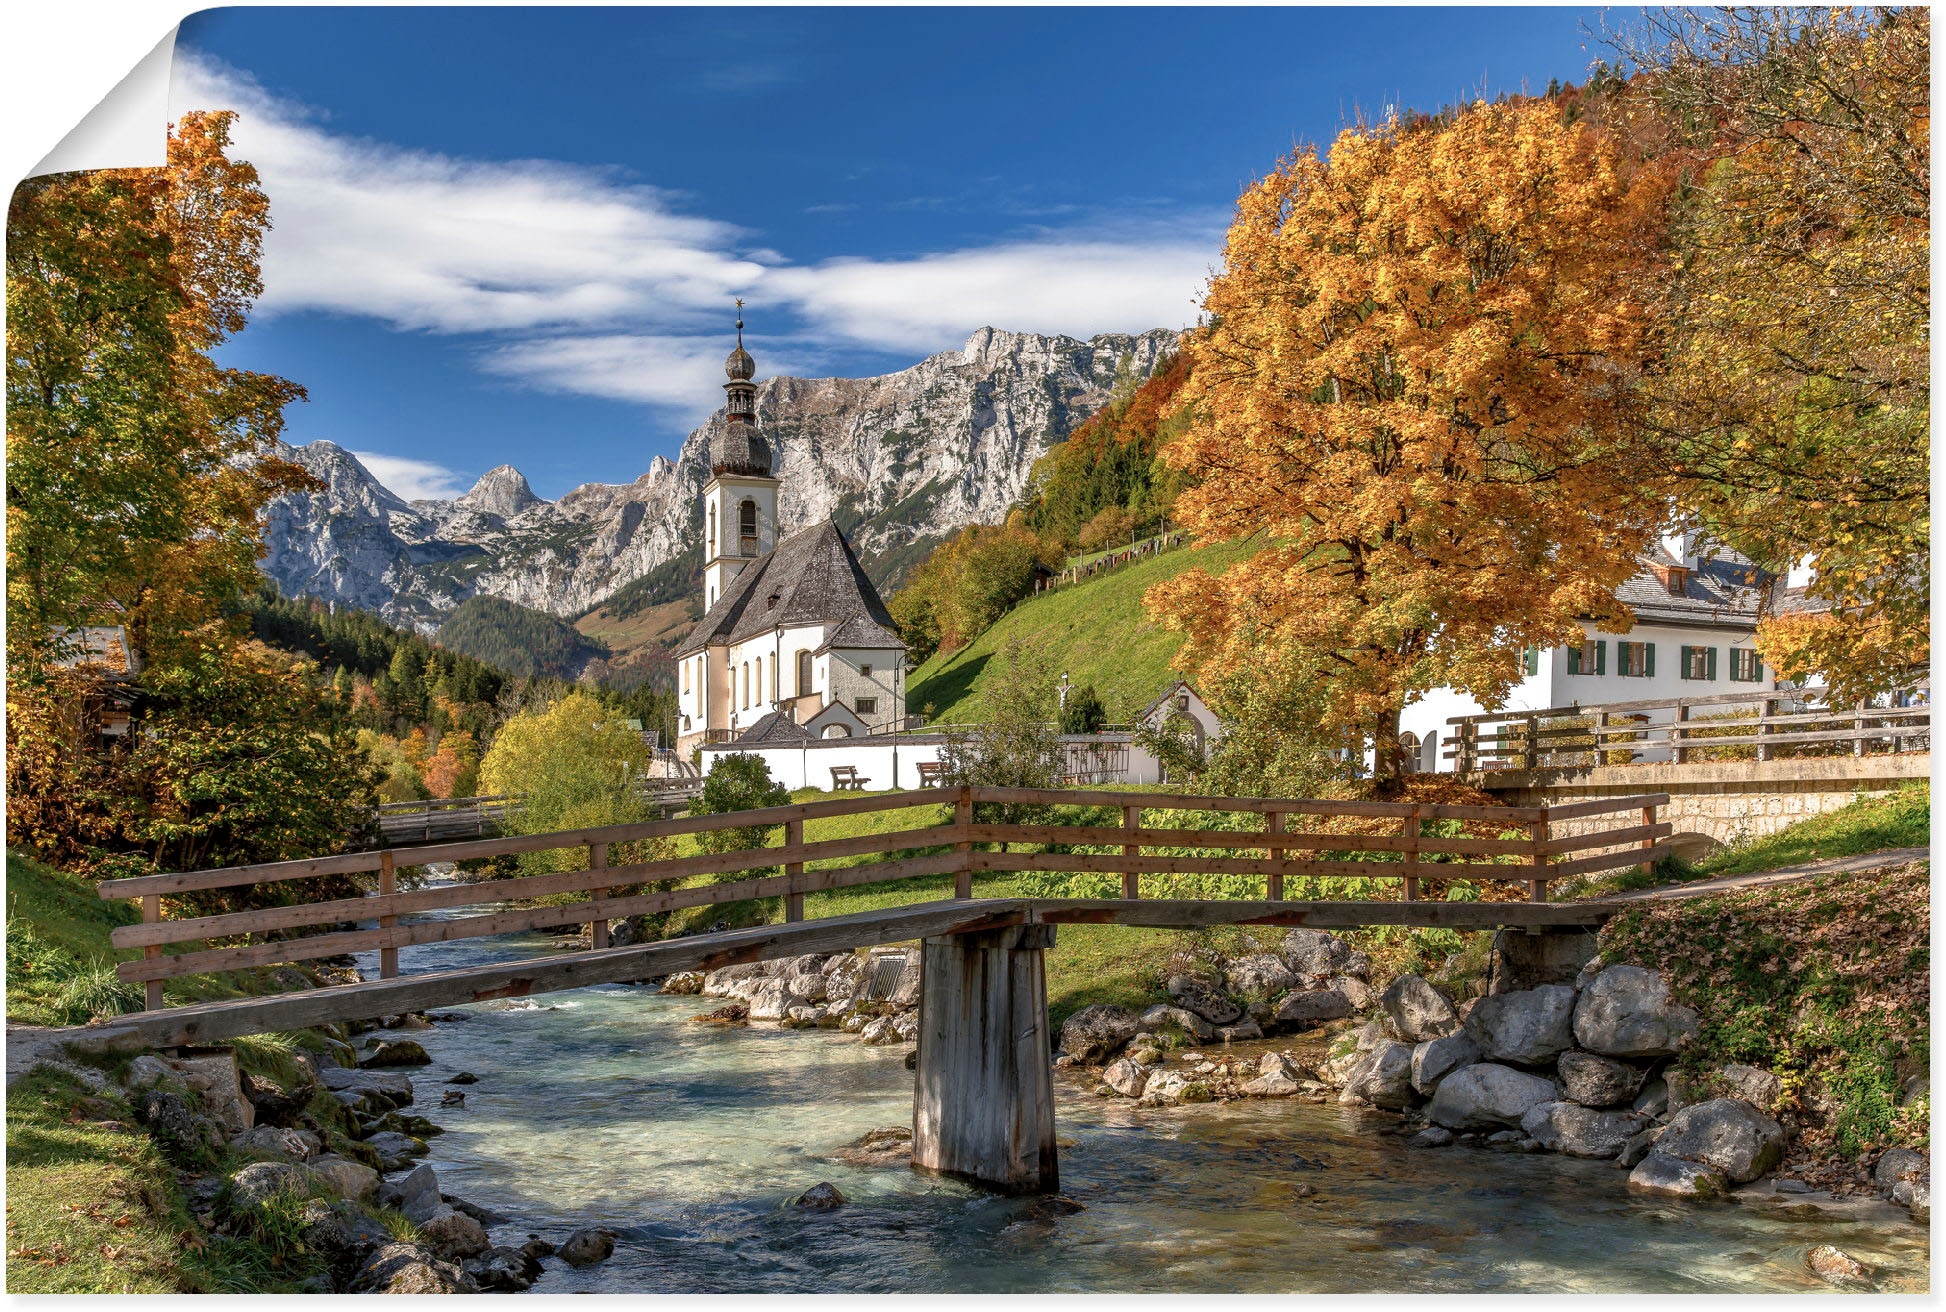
(969, 582)
(136, 465)
(1416, 381)
(1796, 403)
(573, 765)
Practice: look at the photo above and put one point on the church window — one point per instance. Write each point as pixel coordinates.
(865, 670)
(760, 678)
(712, 530)
(746, 685)
(804, 674)
(747, 526)
(868, 706)
(685, 678)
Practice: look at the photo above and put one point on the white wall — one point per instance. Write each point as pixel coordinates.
(885, 764)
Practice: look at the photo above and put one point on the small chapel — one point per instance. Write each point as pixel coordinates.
(795, 644)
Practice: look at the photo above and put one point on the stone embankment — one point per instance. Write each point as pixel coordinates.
(332, 1166)
(875, 997)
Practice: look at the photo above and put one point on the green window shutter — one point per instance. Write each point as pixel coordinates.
(1709, 664)
(1601, 656)
(1648, 660)
(1574, 660)
(1683, 668)
(1531, 660)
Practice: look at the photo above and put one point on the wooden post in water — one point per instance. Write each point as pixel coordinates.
(794, 871)
(598, 925)
(152, 989)
(1131, 881)
(983, 1104)
(1274, 881)
(388, 883)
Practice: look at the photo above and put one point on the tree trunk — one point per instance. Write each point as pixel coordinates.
(1388, 756)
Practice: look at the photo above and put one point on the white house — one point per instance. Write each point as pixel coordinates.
(790, 628)
(1695, 621)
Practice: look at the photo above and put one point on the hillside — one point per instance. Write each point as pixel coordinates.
(516, 639)
(1096, 632)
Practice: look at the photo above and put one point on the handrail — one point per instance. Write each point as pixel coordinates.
(947, 845)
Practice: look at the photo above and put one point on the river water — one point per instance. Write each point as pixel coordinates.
(608, 1106)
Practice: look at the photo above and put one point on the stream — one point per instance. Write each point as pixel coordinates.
(607, 1106)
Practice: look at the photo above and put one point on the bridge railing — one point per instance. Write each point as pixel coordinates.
(307, 931)
(1760, 725)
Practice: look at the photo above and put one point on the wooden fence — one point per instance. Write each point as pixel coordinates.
(444, 818)
(1617, 732)
(312, 930)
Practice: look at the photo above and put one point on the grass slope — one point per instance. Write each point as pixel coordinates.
(1097, 632)
(1902, 818)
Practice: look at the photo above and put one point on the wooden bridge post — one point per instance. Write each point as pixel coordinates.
(1409, 829)
(1679, 735)
(1131, 881)
(1858, 728)
(1537, 863)
(793, 871)
(963, 816)
(388, 884)
(1274, 880)
(1769, 706)
(983, 1105)
(598, 925)
(1648, 818)
(151, 915)
(1530, 747)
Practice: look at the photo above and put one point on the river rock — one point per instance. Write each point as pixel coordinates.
(1203, 998)
(1277, 1077)
(1242, 1032)
(1127, 1077)
(174, 1125)
(1727, 1134)
(1358, 993)
(770, 1000)
(1529, 1027)
(352, 1181)
(1625, 1012)
(291, 1145)
(342, 1235)
(259, 1182)
(1639, 1145)
(371, 1087)
(891, 1146)
(1419, 1012)
(503, 1270)
(464, 1077)
(1259, 976)
(395, 1150)
(1382, 1077)
(1435, 1059)
(1315, 954)
(149, 1071)
(276, 1105)
(1433, 1136)
(1568, 1127)
(1759, 1088)
(410, 1269)
(1654, 1098)
(1166, 1086)
(879, 1030)
(1488, 1096)
(1597, 1081)
(906, 992)
(397, 1052)
(1673, 1177)
(1896, 1164)
(1306, 1010)
(821, 1197)
(906, 1026)
(416, 1193)
(684, 982)
(1837, 1267)
(450, 1233)
(1165, 1017)
(587, 1246)
(1097, 1032)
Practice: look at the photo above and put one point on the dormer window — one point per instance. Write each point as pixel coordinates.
(1674, 577)
(770, 603)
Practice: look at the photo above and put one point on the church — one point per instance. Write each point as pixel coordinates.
(795, 644)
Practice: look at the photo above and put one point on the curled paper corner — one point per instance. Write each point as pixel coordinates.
(129, 128)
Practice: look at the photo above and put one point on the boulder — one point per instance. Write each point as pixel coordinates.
(891, 1146)
(1835, 1266)
(1726, 1134)
(172, 1124)
(1165, 1017)
(1638, 1146)
(716, 983)
(1315, 954)
(1759, 1088)
(1277, 1077)
(1568, 1127)
(342, 1235)
(1382, 1077)
(905, 993)
(1259, 976)
(684, 981)
(1435, 1059)
(1357, 992)
(1241, 1032)
(1126, 1077)
(1201, 997)
(1488, 1096)
(397, 1052)
(1096, 1033)
(821, 1197)
(149, 1071)
(410, 1269)
(587, 1246)
(214, 1075)
(1654, 1098)
(416, 1194)
(1625, 1012)
(291, 1145)
(1419, 1012)
(395, 1150)
(504, 1270)
(259, 1182)
(906, 1026)
(275, 1105)
(1675, 1178)
(1433, 1136)
(1303, 1011)
(1166, 1086)
(1529, 1027)
(451, 1234)
(771, 1000)
(373, 1087)
(1597, 1081)
(1896, 1164)
(349, 1180)
(808, 988)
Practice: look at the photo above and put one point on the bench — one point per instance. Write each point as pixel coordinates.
(931, 773)
(846, 776)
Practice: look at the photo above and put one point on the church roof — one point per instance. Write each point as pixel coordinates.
(774, 729)
(811, 577)
(861, 631)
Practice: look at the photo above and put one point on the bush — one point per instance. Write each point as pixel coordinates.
(737, 782)
(1083, 711)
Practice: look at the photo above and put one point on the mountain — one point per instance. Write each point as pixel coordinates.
(899, 461)
(516, 639)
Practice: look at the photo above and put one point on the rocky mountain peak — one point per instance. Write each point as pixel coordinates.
(501, 491)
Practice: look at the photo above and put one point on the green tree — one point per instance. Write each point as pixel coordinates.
(1015, 744)
(737, 782)
(1082, 712)
(574, 766)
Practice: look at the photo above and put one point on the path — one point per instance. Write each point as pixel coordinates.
(1798, 874)
(30, 1045)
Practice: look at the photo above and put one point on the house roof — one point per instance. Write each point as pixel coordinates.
(1180, 685)
(103, 648)
(1727, 589)
(811, 577)
(773, 730)
(861, 631)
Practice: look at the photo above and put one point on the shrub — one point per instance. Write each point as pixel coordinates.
(1083, 712)
(737, 782)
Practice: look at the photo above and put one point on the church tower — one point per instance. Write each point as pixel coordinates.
(740, 499)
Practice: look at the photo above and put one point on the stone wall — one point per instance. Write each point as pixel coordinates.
(1713, 802)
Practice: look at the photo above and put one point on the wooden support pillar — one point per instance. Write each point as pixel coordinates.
(1131, 881)
(152, 989)
(1763, 728)
(1409, 829)
(794, 871)
(388, 883)
(1679, 736)
(963, 816)
(1537, 863)
(1858, 728)
(983, 1105)
(1530, 753)
(598, 927)
(1648, 818)
(1274, 881)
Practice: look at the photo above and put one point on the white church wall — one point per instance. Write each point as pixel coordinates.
(848, 680)
(886, 764)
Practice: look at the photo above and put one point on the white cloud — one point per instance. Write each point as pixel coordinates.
(682, 373)
(415, 480)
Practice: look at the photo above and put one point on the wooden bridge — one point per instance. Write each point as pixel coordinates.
(442, 819)
(984, 1104)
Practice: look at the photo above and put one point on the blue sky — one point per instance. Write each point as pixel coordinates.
(513, 235)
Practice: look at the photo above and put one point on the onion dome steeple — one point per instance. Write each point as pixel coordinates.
(741, 450)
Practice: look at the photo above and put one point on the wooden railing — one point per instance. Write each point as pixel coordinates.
(440, 818)
(312, 930)
(1795, 721)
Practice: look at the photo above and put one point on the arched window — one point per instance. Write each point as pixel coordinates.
(1409, 748)
(837, 731)
(804, 674)
(760, 678)
(747, 526)
(712, 530)
(746, 685)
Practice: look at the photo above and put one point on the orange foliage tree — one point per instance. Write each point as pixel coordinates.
(1416, 381)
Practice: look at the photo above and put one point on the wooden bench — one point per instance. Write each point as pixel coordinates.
(846, 776)
(931, 773)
